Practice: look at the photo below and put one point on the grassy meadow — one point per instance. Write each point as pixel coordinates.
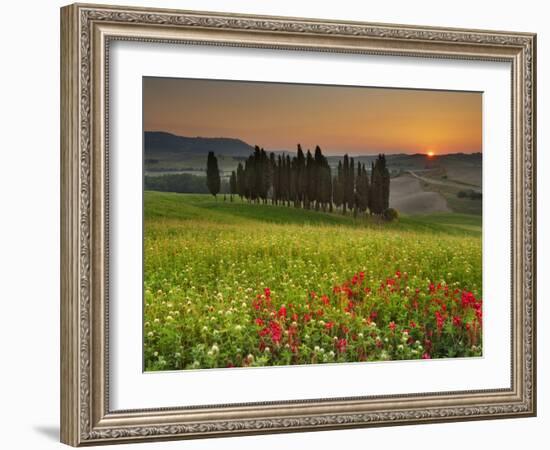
(233, 284)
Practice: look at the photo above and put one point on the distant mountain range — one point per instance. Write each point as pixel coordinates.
(160, 142)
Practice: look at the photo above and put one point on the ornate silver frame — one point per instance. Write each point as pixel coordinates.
(86, 31)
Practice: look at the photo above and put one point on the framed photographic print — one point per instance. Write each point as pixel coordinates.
(275, 225)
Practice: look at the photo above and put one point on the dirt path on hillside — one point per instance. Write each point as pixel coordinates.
(445, 183)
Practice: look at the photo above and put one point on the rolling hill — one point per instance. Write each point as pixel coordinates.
(157, 143)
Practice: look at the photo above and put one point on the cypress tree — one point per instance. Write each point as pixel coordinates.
(294, 182)
(241, 182)
(318, 177)
(330, 189)
(258, 173)
(249, 178)
(287, 179)
(345, 183)
(362, 188)
(310, 180)
(376, 190)
(265, 181)
(338, 186)
(358, 180)
(277, 180)
(371, 189)
(365, 189)
(283, 180)
(232, 185)
(350, 195)
(301, 179)
(380, 186)
(213, 180)
(326, 186)
(324, 180)
(271, 184)
(385, 183)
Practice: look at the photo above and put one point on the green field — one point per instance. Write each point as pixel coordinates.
(238, 284)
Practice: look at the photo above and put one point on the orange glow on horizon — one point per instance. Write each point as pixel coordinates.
(340, 119)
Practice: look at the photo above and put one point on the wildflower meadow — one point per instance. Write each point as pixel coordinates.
(243, 285)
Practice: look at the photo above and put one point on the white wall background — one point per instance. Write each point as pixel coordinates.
(29, 221)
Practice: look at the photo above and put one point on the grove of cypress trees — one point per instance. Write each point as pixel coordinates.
(306, 181)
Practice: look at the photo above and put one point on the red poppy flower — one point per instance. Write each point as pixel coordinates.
(440, 320)
(276, 331)
(257, 304)
(341, 345)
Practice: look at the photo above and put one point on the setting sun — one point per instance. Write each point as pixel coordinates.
(430, 153)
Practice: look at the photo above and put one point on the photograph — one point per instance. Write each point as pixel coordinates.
(292, 220)
(287, 224)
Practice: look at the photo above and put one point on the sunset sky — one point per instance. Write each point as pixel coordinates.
(355, 120)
